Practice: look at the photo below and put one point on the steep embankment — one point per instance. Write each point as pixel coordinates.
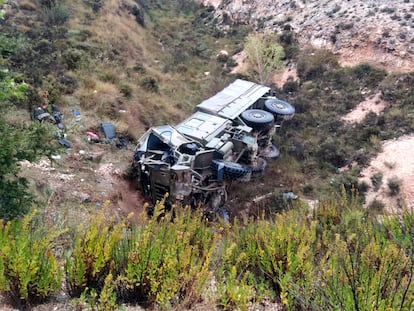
(134, 64)
(375, 32)
(378, 33)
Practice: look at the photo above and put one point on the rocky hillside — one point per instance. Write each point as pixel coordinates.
(375, 32)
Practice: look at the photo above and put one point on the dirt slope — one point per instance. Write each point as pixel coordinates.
(358, 31)
(395, 162)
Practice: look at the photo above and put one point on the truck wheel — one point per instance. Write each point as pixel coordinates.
(232, 170)
(278, 107)
(257, 119)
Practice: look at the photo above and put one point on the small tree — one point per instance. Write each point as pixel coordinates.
(18, 142)
(264, 55)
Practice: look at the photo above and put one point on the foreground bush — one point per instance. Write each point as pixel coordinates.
(163, 260)
(92, 257)
(29, 270)
(337, 256)
(168, 260)
(266, 257)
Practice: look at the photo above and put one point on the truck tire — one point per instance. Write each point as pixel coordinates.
(257, 119)
(278, 107)
(232, 170)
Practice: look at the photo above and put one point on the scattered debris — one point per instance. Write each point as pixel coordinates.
(65, 143)
(77, 115)
(56, 156)
(263, 197)
(108, 130)
(92, 137)
(40, 114)
(289, 196)
(52, 114)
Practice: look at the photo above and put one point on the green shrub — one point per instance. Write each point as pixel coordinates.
(159, 261)
(394, 185)
(168, 260)
(338, 246)
(368, 76)
(376, 206)
(91, 259)
(376, 180)
(56, 15)
(10, 45)
(126, 90)
(261, 258)
(19, 143)
(108, 76)
(313, 63)
(363, 187)
(72, 58)
(95, 4)
(29, 271)
(149, 84)
(290, 86)
(360, 264)
(330, 150)
(48, 3)
(361, 270)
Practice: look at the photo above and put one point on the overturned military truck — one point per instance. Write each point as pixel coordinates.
(229, 137)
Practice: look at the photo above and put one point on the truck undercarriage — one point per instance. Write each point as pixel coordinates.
(229, 137)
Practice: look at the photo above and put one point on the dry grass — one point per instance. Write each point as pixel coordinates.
(27, 5)
(99, 97)
(114, 27)
(117, 32)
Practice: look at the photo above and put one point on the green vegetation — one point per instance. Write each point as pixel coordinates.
(317, 139)
(18, 141)
(264, 54)
(336, 255)
(164, 262)
(29, 270)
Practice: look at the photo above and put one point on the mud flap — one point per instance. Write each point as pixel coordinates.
(220, 172)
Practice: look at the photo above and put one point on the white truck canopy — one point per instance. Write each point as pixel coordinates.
(234, 99)
(202, 127)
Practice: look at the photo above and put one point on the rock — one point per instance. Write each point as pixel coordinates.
(94, 156)
(83, 197)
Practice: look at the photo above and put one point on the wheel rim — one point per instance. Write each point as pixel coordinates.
(257, 115)
(257, 118)
(279, 107)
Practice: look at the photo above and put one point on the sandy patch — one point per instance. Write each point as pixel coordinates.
(279, 79)
(374, 104)
(75, 181)
(289, 73)
(395, 161)
(241, 60)
(376, 57)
